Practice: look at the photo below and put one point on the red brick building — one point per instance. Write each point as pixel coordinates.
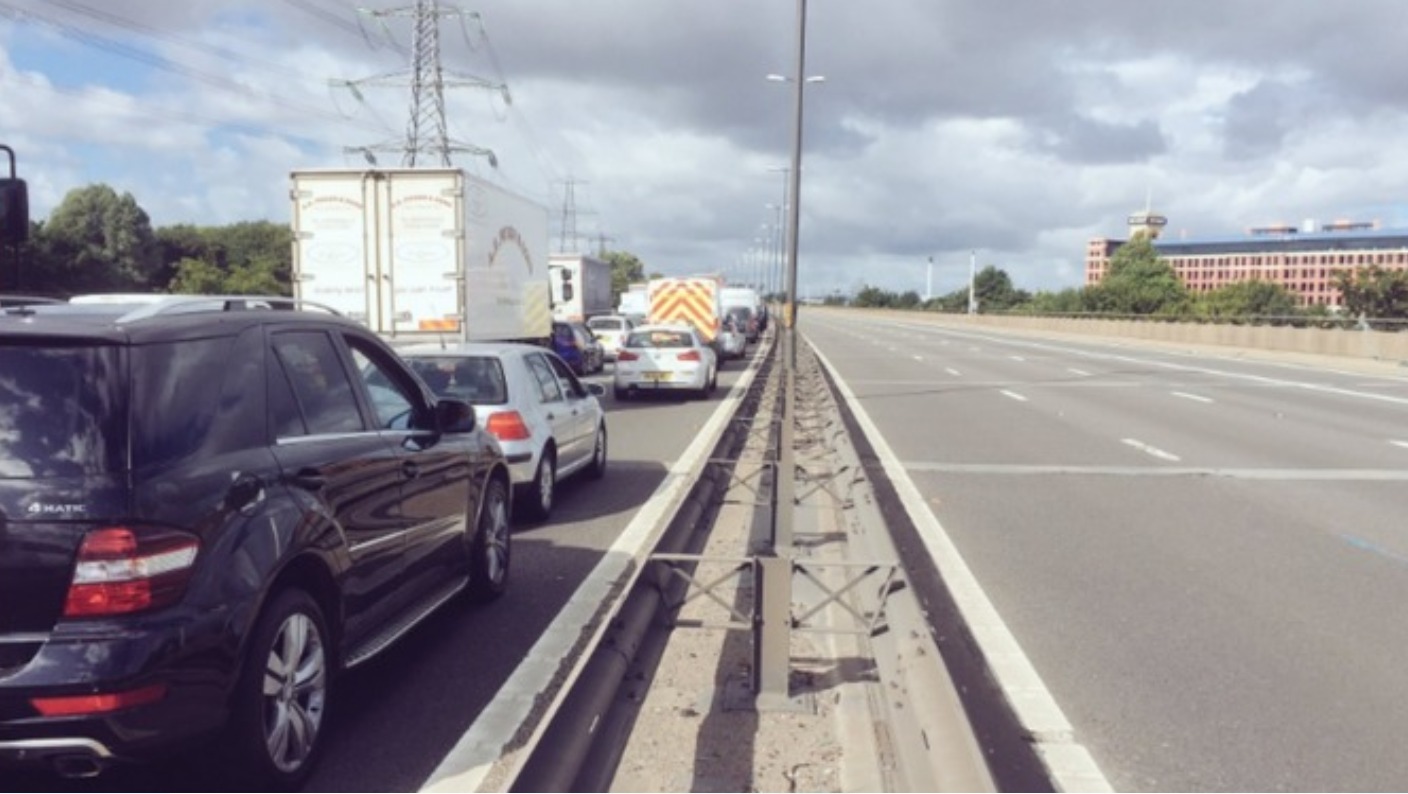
(1302, 260)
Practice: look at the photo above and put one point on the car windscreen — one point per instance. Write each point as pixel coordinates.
(659, 339)
(474, 379)
(63, 410)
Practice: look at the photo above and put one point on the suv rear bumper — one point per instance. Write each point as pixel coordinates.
(69, 756)
(195, 676)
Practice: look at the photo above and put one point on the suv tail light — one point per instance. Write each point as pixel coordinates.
(71, 705)
(689, 355)
(122, 570)
(508, 426)
(626, 355)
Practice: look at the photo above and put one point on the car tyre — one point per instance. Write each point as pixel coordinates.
(281, 698)
(597, 469)
(490, 547)
(542, 491)
(621, 394)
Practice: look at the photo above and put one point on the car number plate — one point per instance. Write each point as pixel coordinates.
(657, 376)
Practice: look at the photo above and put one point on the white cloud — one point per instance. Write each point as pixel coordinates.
(944, 126)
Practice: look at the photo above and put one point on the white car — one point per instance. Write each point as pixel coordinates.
(733, 341)
(612, 330)
(548, 422)
(660, 358)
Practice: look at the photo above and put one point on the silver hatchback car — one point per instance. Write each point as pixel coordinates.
(548, 422)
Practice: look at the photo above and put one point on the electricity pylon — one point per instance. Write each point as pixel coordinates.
(427, 134)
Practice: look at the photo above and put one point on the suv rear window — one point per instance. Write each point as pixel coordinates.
(63, 411)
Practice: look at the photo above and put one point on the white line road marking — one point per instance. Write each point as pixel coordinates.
(1017, 358)
(1079, 372)
(1194, 397)
(1263, 475)
(1155, 451)
(918, 358)
(1068, 761)
(952, 371)
(1396, 443)
(1014, 395)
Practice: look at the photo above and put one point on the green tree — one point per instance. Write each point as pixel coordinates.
(1374, 292)
(1067, 301)
(197, 277)
(995, 291)
(263, 245)
(178, 243)
(873, 298)
(626, 268)
(1247, 299)
(1139, 282)
(263, 276)
(104, 241)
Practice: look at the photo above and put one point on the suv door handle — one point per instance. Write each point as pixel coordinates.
(308, 479)
(410, 469)
(245, 491)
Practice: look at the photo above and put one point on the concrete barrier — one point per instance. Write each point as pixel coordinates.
(1345, 343)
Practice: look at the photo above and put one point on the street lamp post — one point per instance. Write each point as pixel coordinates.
(972, 282)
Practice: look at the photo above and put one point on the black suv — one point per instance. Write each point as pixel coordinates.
(208, 508)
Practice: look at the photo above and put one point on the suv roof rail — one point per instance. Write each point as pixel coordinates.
(161, 305)
(8, 300)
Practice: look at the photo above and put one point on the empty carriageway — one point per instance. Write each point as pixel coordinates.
(1200, 555)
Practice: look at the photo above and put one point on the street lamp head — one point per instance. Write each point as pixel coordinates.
(777, 78)
(819, 78)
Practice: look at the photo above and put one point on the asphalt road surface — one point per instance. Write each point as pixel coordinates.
(1205, 558)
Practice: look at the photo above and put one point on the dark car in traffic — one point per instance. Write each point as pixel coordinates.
(575, 344)
(209, 508)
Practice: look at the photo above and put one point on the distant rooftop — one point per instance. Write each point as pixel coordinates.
(1287, 239)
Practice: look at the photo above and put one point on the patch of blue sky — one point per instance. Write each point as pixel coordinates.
(236, 138)
(1390, 215)
(71, 61)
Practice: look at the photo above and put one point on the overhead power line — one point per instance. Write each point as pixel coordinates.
(427, 132)
(112, 46)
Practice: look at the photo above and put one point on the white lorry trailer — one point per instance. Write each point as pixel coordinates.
(420, 253)
(580, 287)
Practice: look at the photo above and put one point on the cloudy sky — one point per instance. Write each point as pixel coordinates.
(1018, 129)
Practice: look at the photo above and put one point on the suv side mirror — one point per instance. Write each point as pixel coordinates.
(454, 416)
(14, 211)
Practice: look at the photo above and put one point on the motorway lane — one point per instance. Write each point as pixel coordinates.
(400, 713)
(1215, 607)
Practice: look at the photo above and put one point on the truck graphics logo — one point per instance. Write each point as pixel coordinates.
(510, 236)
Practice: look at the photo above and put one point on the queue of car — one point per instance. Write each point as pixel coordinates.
(212, 506)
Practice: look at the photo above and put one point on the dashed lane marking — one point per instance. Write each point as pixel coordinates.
(1151, 450)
